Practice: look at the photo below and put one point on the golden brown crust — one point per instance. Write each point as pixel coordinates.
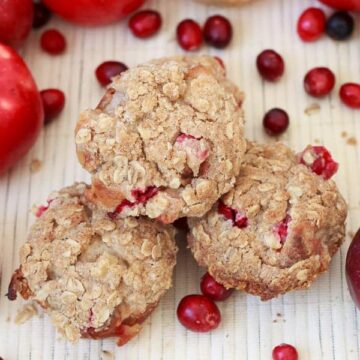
(272, 186)
(90, 271)
(175, 124)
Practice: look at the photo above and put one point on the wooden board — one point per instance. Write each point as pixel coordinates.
(322, 322)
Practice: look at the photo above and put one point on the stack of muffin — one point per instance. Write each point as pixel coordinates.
(167, 142)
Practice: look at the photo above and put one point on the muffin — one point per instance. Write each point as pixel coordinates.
(278, 229)
(166, 140)
(96, 277)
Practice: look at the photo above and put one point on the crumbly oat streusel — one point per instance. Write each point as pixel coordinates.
(276, 230)
(166, 140)
(95, 277)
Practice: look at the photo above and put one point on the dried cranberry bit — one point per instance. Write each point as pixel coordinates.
(284, 352)
(238, 219)
(193, 146)
(145, 23)
(119, 209)
(53, 42)
(281, 229)
(40, 210)
(142, 196)
(189, 35)
(311, 24)
(212, 289)
(320, 161)
(107, 70)
(198, 313)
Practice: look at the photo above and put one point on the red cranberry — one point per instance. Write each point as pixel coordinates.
(237, 218)
(124, 204)
(42, 15)
(212, 289)
(53, 42)
(320, 161)
(276, 121)
(145, 23)
(189, 35)
(107, 70)
(350, 95)
(311, 24)
(319, 81)
(53, 102)
(270, 65)
(142, 196)
(281, 229)
(353, 269)
(198, 313)
(218, 31)
(284, 352)
(40, 210)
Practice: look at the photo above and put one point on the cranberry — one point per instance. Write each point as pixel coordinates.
(53, 102)
(145, 23)
(107, 70)
(181, 224)
(218, 31)
(284, 352)
(350, 95)
(340, 25)
(311, 24)
(220, 61)
(281, 229)
(319, 81)
(270, 65)
(198, 313)
(40, 210)
(238, 219)
(142, 196)
(212, 289)
(353, 269)
(124, 204)
(53, 42)
(189, 35)
(42, 15)
(320, 161)
(276, 121)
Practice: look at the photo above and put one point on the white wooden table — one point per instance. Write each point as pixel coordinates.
(321, 322)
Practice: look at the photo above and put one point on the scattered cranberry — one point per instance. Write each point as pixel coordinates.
(275, 121)
(212, 289)
(40, 210)
(281, 229)
(53, 42)
(284, 352)
(107, 70)
(42, 15)
(198, 313)
(320, 161)
(189, 35)
(218, 31)
(145, 23)
(311, 24)
(238, 219)
(53, 102)
(319, 81)
(340, 25)
(350, 95)
(181, 224)
(270, 65)
(119, 209)
(353, 268)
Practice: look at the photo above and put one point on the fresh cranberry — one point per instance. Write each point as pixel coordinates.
(239, 220)
(311, 24)
(284, 352)
(53, 102)
(189, 35)
(319, 81)
(145, 23)
(281, 229)
(270, 65)
(42, 15)
(142, 196)
(124, 204)
(53, 42)
(275, 121)
(107, 70)
(320, 161)
(218, 31)
(353, 269)
(212, 289)
(350, 95)
(340, 25)
(181, 224)
(198, 313)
